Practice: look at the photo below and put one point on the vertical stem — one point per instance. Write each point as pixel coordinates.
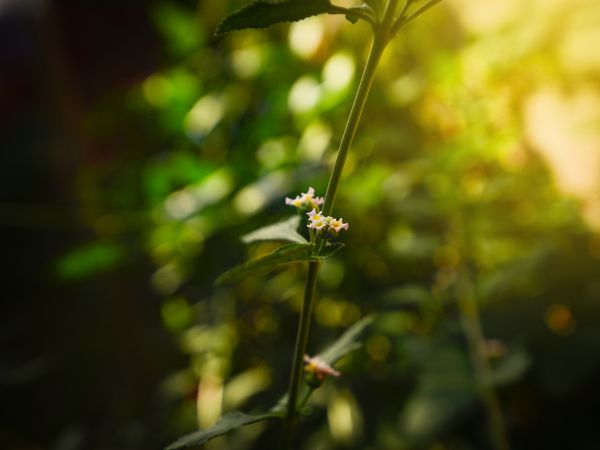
(473, 329)
(301, 340)
(377, 47)
(381, 38)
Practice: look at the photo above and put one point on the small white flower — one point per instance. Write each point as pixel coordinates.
(319, 368)
(305, 200)
(337, 225)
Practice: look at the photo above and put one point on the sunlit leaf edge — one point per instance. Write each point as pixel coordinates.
(280, 231)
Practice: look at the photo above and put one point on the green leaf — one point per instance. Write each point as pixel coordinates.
(89, 260)
(263, 14)
(510, 368)
(283, 256)
(227, 423)
(347, 342)
(281, 231)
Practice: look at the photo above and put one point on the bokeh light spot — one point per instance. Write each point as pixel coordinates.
(305, 37)
(560, 319)
(304, 95)
(157, 90)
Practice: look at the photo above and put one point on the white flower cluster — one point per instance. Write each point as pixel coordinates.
(316, 220)
(305, 200)
(319, 222)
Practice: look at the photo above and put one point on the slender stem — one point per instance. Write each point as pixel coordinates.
(381, 38)
(403, 20)
(473, 329)
(379, 42)
(471, 323)
(301, 340)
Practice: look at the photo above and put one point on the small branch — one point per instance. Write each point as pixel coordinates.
(402, 20)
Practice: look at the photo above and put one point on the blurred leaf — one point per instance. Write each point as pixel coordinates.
(227, 423)
(510, 368)
(263, 14)
(89, 260)
(180, 28)
(281, 257)
(347, 342)
(281, 231)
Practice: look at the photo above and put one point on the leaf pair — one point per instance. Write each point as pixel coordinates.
(263, 14)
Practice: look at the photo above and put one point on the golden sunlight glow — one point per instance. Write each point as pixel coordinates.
(247, 62)
(204, 116)
(563, 127)
(255, 197)
(314, 140)
(343, 417)
(245, 385)
(305, 37)
(338, 71)
(181, 204)
(157, 90)
(304, 95)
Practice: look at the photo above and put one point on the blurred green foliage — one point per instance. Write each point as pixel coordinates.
(443, 180)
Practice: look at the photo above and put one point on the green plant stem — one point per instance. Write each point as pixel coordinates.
(380, 41)
(301, 340)
(381, 38)
(471, 324)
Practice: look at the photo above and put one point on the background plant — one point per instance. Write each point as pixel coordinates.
(451, 132)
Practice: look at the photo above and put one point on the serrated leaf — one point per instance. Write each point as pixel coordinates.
(227, 423)
(281, 231)
(283, 256)
(263, 14)
(347, 342)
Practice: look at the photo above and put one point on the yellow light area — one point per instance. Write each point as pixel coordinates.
(578, 49)
(247, 62)
(405, 89)
(329, 312)
(378, 347)
(344, 418)
(255, 197)
(168, 278)
(338, 71)
(185, 202)
(314, 141)
(481, 16)
(157, 90)
(563, 127)
(400, 238)
(304, 95)
(204, 116)
(209, 400)
(243, 386)
(305, 37)
(560, 319)
(273, 152)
